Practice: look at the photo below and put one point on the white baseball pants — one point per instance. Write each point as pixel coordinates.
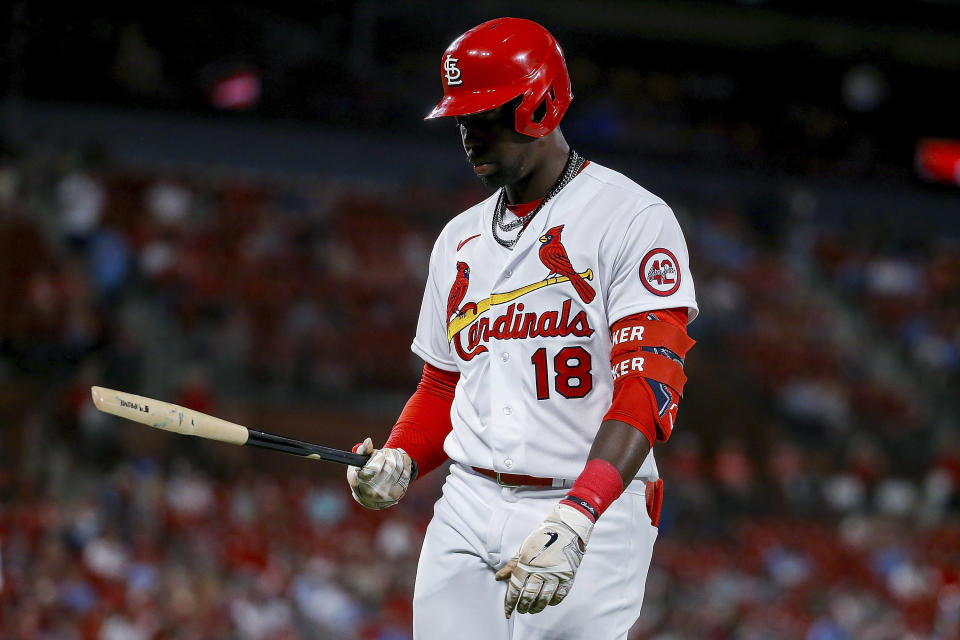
(478, 526)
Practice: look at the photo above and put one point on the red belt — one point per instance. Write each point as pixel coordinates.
(516, 480)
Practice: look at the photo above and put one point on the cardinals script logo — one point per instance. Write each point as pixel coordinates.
(515, 323)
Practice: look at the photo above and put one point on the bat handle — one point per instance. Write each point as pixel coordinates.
(357, 459)
(305, 449)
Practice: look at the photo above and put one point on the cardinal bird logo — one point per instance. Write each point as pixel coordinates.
(458, 291)
(554, 256)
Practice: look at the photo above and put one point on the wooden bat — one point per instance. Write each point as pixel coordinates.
(171, 417)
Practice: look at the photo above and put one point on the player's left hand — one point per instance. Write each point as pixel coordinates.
(542, 572)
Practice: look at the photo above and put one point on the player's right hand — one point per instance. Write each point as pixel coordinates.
(383, 480)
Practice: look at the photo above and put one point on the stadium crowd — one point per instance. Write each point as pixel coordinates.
(811, 485)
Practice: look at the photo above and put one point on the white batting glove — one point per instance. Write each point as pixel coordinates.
(383, 480)
(542, 573)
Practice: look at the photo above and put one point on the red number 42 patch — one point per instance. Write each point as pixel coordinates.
(660, 272)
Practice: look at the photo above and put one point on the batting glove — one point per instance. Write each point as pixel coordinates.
(542, 573)
(383, 480)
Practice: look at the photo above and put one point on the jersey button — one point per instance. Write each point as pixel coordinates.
(509, 274)
(507, 411)
(508, 463)
(504, 356)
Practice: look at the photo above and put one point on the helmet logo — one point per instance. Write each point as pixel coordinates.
(450, 70)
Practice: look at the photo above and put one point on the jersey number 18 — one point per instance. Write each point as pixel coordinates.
(572, 366)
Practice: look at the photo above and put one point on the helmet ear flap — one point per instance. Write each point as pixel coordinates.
(540, 112)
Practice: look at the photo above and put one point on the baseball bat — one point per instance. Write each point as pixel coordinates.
(172, 417)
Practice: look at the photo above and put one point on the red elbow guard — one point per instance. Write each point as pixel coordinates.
(647, 360)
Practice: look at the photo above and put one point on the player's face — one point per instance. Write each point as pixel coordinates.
(499, 155)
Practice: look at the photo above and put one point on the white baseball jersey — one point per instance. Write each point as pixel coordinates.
(532, 344)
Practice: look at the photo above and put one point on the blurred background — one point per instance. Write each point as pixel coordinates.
(232, 207)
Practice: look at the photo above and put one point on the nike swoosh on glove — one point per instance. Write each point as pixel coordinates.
(542, 572)
(383, 480)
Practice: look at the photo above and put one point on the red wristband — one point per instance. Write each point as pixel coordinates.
(595, 489)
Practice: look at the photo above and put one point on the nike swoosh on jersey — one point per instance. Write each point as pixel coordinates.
(463, 242)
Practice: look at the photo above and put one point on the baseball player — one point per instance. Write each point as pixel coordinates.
(553, 331)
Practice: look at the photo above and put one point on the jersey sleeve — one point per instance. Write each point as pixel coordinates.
(651, 268)
(430, 342)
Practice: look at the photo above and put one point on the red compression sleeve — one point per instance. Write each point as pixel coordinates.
(595, 489)
(633, 400)
(425, 420)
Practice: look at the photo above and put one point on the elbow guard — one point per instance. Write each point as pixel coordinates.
(647, 359)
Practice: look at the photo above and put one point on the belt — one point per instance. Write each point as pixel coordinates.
(516, 480)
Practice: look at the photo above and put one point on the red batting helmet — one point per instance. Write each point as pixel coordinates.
(502, 59)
